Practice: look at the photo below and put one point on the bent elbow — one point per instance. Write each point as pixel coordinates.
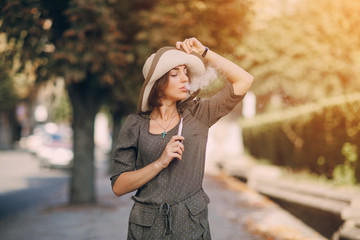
(250, 79)
(117, 192)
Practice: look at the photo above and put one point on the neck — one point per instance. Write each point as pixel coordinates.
(164, 112)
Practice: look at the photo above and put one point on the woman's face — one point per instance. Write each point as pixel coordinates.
(176, 87)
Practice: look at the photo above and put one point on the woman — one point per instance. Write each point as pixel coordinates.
(161, 150)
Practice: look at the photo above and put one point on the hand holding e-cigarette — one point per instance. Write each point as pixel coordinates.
(174, 148)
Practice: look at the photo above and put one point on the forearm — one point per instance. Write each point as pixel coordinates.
(133, 180)
(240, 79)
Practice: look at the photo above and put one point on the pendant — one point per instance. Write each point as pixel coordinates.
(163, 134)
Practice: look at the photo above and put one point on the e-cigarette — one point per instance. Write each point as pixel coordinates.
(180, 127)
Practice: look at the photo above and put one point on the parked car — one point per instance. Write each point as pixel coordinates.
(52, 144)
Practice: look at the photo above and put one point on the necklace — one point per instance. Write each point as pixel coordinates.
(165, 132)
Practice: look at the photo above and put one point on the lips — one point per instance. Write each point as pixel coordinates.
(184, 89)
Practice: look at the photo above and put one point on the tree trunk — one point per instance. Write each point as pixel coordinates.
(116, 117)
(85, 106)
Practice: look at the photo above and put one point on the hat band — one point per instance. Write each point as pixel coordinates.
(155, 61)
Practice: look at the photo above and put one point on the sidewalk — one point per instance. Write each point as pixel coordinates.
(250, 212)
(235, 213)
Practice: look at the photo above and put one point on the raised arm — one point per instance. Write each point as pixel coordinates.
(238, 77)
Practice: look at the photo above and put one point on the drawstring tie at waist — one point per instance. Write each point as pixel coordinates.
(165, 211)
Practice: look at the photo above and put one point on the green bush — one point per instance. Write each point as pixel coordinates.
(316, 137)
(344, 174)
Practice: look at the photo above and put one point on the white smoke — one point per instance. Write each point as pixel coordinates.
(203, 81)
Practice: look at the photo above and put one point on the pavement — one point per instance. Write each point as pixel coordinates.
(235, 212)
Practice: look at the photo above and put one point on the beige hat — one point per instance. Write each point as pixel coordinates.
(161, 62)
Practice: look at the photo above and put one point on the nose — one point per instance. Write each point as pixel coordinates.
(184, 76)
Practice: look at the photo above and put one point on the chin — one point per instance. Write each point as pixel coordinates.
(181, 96)
(185, 96)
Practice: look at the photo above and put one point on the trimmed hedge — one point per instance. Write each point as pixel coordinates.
(307, 137)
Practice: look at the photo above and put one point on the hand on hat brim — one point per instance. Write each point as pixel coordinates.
(190, 45)
(170, 58)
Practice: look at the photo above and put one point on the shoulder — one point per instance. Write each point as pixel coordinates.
(135, 117)
(132, 119)
(189, 105)
(133, 122)
(138, 117)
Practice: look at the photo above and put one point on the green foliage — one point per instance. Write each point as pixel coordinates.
(106, 42)
(16, 80)
(127, 14)
(350, 152)
(62, 111)
(8, 96)
(78, 40)
(219, 24)
(89, 49)
(310, 137)
(24, 24)
(302, 51)
(307, 176)
(344, 174)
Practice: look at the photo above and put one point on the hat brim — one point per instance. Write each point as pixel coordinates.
(156, 66)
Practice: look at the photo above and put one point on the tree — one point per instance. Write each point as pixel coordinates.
(8, 102)
(99, 47)
(91, 59)
(300, 51)
(219, 24)
(16, 85)
(80, 41)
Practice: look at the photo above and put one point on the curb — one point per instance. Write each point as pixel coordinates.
(340, 204)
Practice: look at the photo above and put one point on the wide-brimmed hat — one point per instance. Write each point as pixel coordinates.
(161, 62)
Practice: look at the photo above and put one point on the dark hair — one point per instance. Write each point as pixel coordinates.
(157, 91)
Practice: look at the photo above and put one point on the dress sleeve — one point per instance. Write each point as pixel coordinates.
(210, 110)
(126, 148)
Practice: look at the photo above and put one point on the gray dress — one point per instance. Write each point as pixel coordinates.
(172, 205)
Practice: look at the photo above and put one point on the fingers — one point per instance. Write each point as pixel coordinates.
(175, 147)
(177, 138)
(184, 45)
(176, 153)
(176, 144)
(173, 150)
(189, 45)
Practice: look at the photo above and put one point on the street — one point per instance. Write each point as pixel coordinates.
(37, 200)
(24, 184)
